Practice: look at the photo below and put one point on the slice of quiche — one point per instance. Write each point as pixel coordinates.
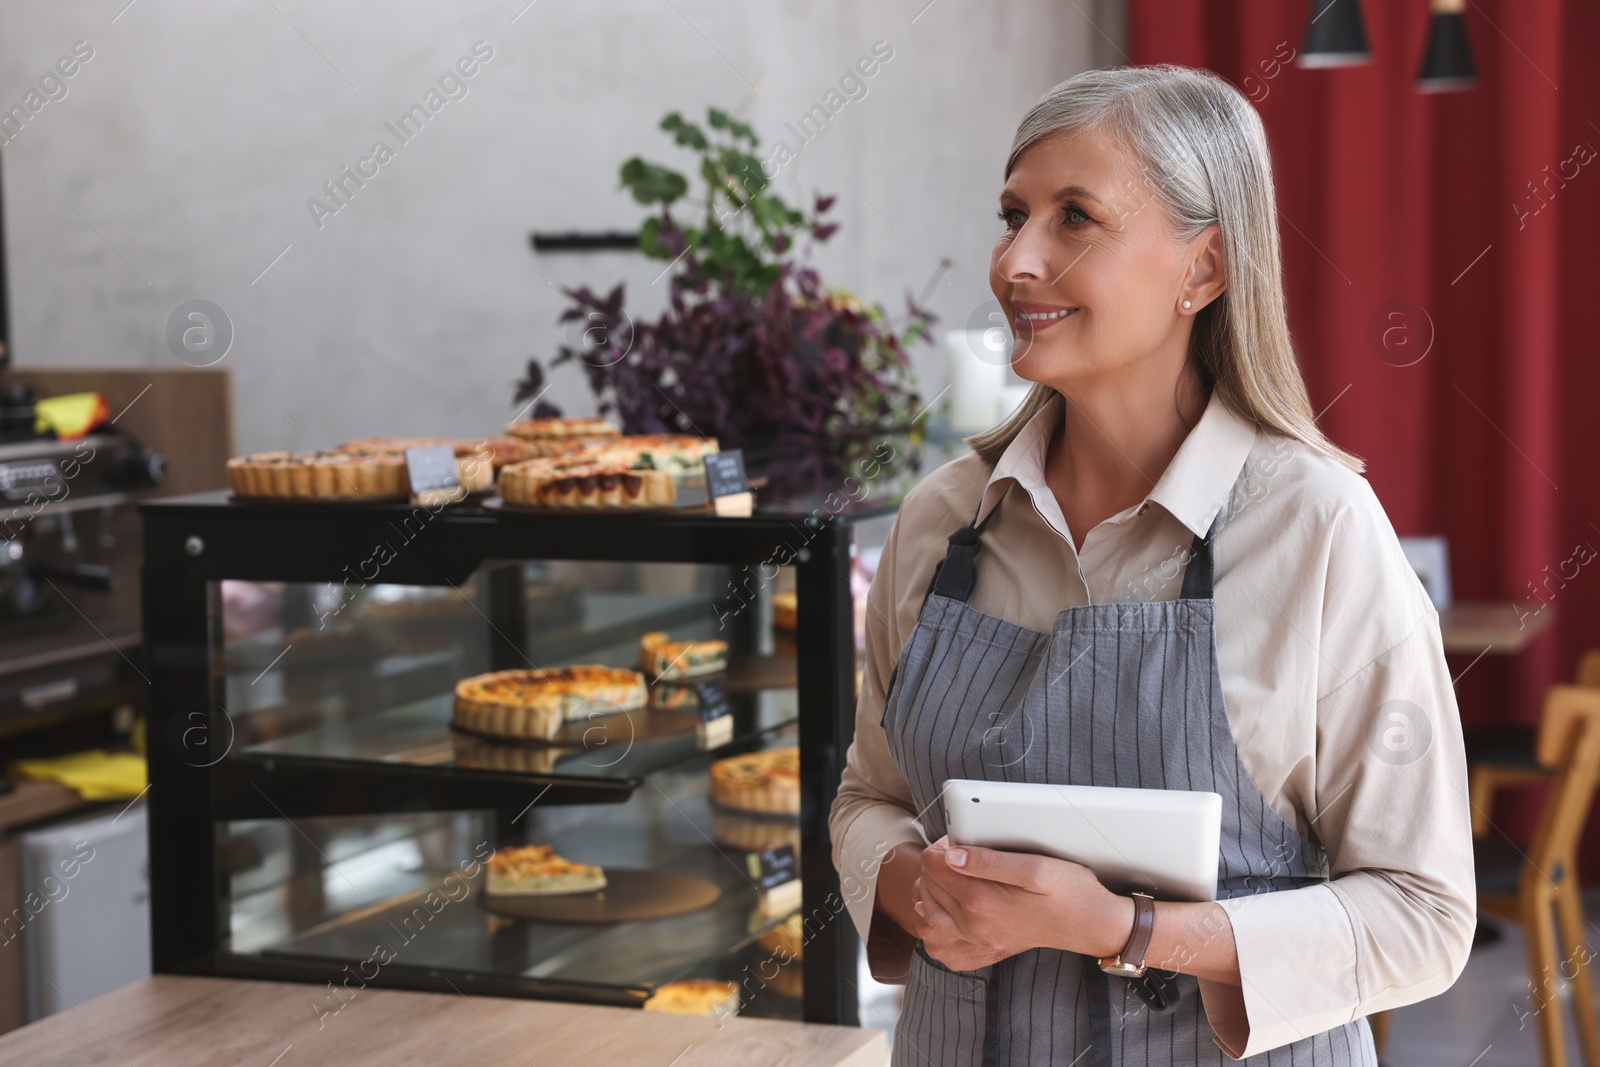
(536, 870)
(661, 657)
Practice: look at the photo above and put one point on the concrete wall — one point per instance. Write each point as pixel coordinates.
(179, 163)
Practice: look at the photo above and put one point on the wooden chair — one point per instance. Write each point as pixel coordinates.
(1503, 756)
(1536, 885)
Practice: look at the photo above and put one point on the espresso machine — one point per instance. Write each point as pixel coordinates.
(69, 638)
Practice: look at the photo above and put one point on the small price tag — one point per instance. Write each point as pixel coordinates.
(726, 485)
(777, 872)
(432, 471)
(716, 715)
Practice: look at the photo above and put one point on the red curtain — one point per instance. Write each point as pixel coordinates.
(1471, 215)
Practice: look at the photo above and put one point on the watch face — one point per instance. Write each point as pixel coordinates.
(1122, 970)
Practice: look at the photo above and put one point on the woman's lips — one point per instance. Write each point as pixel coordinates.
(1035, 319)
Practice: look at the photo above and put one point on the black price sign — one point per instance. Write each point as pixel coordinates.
(725, 474)
(774, 867)
(713, 700)
(433, 467)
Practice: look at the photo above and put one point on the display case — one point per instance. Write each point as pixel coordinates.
(317, 817)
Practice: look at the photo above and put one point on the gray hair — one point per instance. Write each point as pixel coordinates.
(1203, 153)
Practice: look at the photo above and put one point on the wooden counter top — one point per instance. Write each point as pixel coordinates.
(168, 1021)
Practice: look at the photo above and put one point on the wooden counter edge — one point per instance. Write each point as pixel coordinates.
(182, 1021)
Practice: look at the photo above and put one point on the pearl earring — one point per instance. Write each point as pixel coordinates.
(1186, 303)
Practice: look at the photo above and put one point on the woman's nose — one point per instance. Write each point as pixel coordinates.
(1027, 257)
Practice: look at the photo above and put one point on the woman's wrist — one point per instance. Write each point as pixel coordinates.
(1103, 929)
(897, 874)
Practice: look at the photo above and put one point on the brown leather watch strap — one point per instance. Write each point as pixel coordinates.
(1130, 961)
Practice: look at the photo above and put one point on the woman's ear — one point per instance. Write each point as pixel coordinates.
(1208, 269)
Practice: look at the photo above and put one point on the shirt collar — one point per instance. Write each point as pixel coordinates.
(1193, 488)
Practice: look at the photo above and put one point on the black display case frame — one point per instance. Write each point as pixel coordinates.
(191, 542)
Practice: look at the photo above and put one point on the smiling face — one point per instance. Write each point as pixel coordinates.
(1088, 273)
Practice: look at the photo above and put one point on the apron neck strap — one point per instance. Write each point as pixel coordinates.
(1197, 573)
(957, 573)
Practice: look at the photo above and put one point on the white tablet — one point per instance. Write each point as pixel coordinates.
(1157, 841)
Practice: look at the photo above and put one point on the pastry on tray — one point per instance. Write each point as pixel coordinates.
(695, 996)
(536, 870)
(319, 476)
(557, 483)
(532, 704)
(767, 781)
(662, 658)
(562, 429)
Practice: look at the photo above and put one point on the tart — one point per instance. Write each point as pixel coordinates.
(318, 476)
(536, 870)
(532, 704)
(474, 458)
(550, 483)
(695, 996)
(662, 658)
(767, 781)
(562, 429)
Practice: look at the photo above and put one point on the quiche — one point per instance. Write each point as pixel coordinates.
(695, 996)
(661, 658)
(767, 781)
(536, 870)
(532, 704)
(678, 453)
(319, 476)
(550, 483)
(562, 429)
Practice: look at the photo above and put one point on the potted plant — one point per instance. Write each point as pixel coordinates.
(752, 349)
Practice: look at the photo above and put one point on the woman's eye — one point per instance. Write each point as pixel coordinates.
(1012, 217)
(1073, 210)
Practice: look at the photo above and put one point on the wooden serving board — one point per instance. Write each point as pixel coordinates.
(629, 894)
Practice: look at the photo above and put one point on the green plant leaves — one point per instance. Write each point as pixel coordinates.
(652, 184)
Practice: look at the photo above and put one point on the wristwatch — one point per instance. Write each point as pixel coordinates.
(1129, 963)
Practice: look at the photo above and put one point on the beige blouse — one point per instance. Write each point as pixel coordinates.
(1333, 673)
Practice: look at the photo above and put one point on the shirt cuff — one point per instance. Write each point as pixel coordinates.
(1287, 995)
(860, 848)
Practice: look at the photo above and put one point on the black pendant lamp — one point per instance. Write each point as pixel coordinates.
(1335, 36)
(1447, 64)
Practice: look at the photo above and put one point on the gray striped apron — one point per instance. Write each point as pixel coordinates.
(1116, 695)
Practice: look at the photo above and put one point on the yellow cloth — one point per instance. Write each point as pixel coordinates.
(95, 774)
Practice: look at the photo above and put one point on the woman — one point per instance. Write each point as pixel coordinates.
(1157, 573)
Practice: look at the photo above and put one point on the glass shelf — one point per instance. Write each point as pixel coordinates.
(667, 826)
(617, 749)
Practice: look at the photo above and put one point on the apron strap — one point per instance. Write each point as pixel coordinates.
(1197, 573)
(957, 574)
(1098, 989)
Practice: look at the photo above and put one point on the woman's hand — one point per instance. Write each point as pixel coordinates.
(983, 905)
